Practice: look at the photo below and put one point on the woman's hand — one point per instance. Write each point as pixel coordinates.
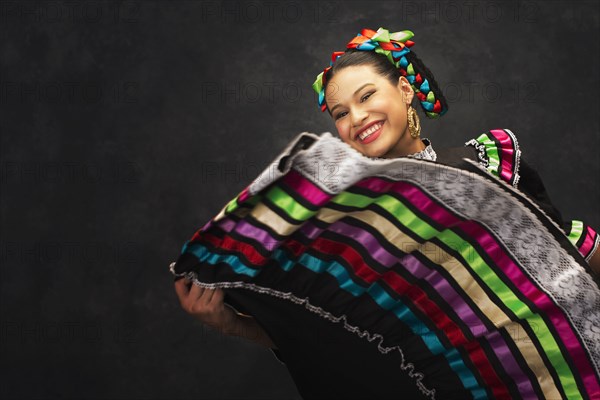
(207, 305)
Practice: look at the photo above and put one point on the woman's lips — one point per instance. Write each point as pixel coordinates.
(372, 136)
(357, 136)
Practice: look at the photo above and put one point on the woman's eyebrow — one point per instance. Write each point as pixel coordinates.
(356, 91)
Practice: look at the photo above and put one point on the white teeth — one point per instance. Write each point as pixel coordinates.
(369, 131)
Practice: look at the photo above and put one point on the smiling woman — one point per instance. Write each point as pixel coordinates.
(363, 88)
(377, 266)
(373, 118)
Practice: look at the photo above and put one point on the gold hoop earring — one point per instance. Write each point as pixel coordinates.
(414, 124)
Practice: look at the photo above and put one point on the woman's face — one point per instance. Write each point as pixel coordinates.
(360, 98)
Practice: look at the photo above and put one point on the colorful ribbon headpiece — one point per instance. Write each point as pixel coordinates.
(394, 46)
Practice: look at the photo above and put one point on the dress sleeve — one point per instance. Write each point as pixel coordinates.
(277, 354)
(583, 237)
(499, 153)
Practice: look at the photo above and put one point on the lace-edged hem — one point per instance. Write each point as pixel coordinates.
(407, 367)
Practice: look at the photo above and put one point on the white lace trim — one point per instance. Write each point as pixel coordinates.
(326, 168)
(427, 153)
(481, 155)
(409, 368)
(517, 156)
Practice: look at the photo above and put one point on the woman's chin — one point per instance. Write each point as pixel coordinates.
(373, 153)
(375, 150)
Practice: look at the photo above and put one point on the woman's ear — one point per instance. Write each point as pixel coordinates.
(406, 89)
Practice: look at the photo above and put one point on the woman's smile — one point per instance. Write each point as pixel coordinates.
(371, 134)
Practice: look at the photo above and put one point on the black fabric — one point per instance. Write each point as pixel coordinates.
(531, 183)
(325, 360)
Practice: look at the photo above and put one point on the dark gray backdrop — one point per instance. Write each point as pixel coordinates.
(127, 125)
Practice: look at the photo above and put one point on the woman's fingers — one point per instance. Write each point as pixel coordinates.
(217, 296)
(182, 290)
(208, 294)
(201, 295)
(207, 305)
(196, 292)
(195, 298)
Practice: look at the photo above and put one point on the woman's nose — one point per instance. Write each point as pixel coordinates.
(358, 117)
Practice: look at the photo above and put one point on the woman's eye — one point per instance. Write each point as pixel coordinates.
(366, 96)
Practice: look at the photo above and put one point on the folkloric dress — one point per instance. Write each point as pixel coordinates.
(445, 274)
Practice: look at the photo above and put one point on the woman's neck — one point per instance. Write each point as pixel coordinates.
(421, 146)
(414, 146)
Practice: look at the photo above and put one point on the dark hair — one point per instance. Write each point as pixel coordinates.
(382, 66)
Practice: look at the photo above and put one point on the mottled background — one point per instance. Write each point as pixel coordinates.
(126, 125)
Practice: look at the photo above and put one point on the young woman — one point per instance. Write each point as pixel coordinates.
(454, 324)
